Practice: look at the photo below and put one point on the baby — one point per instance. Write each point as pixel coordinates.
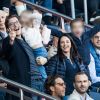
(35, 37)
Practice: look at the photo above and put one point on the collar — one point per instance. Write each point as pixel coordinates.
(97, 51)
(87, 97)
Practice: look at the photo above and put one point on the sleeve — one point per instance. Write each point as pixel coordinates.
(46, 33)
(93, 71)
(51, 66)
(89, 34)
(52, 52)
(6, 47)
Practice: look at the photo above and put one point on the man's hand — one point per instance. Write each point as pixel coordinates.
(12, 35)
(41, 60)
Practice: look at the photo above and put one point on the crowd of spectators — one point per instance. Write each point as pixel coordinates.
(45, 57)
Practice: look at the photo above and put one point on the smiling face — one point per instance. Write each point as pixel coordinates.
(81, 83)
(65, 44)
(96, 40)
(15, 25)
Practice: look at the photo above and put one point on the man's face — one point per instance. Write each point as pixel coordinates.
(2, 20)
(78, 29)
(59, 88)
(15, 25)
(81, 83)
(96, 40)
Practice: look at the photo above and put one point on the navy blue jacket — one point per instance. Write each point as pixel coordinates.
(83, 44)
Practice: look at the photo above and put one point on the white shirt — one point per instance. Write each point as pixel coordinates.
(76, 96)
(32, 37)
(92, 70)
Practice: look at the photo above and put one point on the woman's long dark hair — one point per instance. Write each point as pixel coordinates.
(73, 52)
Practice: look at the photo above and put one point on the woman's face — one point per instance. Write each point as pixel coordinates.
(65, 44)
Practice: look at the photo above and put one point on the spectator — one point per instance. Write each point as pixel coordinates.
(3, 16)
(94, 66)
(81, 85)
(82, 38)
(66, 63)
(20, 6)
(2, 94)
(4, 68)
(23, 68)
(55, 86)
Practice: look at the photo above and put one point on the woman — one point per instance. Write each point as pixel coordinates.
(67, 62)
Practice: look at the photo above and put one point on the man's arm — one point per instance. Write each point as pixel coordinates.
(8, 42)
(89, 34)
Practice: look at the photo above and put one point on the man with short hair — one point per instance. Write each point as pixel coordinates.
(81, 85)
(94, 66)
(23, 67)
(55, 86)
(3, 63)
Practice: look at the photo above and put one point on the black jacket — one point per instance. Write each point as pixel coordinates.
(18, 60)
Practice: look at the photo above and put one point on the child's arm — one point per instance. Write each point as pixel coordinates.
(89, 34)
(46, 35)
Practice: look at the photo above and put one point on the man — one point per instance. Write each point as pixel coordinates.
(3, 63)
(94, 66)
(55, 86)
(82, 38)
(23, 67)
(81, 85)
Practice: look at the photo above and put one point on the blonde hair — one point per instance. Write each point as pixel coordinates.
(28, 15)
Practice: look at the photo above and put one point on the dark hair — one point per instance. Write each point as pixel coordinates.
(50, 81)
(76, 20)
(73, 52)
(8, 18)
(80, 73)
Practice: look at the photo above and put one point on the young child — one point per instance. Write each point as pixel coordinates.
(35, 38)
